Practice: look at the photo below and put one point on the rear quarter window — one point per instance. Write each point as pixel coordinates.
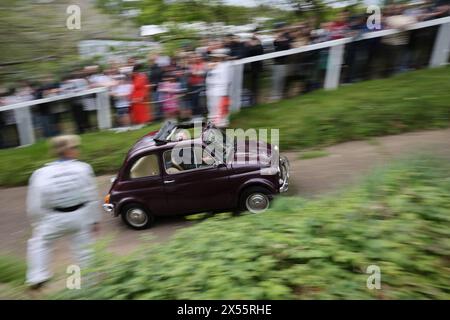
(146, 166)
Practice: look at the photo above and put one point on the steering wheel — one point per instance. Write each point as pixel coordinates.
(176, 165)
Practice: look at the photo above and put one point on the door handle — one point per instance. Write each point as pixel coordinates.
(169, 181)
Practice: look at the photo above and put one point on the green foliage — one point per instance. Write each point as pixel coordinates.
(36, 42)
(411, 101)
(159, 11)
(318, 249)
(12, 270)
(313, 154)
(176, 38)
(324, 10)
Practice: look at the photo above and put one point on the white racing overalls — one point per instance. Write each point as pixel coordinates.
(62, 200)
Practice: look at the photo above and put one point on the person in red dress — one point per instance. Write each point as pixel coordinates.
(140, 100)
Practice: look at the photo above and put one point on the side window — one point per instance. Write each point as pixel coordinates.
(147, 166)
(203, 159)
(188, 158)
(171, 166)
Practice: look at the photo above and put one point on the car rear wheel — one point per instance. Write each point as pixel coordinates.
(255, 199)
(137, 217)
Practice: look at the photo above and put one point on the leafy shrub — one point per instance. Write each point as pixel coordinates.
(300, 249)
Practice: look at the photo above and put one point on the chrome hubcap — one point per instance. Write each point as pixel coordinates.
(257, 202)
(137, 217)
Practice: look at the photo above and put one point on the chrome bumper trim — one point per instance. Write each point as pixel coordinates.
(109, 208)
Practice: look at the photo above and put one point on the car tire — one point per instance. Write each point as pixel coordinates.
(137, 217)
(255, 199)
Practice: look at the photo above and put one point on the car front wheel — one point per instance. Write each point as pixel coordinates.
(137, 217)
(256, 199)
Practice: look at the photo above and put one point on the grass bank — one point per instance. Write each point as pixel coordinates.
(105, 151)
(411, 101)
(12, 278)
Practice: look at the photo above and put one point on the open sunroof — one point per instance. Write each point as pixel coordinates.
(164, 134)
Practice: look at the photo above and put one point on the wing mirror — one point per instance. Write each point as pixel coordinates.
(113, 179)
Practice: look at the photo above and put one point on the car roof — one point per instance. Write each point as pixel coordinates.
(148, 144)
(158, 140)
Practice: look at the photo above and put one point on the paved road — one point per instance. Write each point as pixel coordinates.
(344, 165)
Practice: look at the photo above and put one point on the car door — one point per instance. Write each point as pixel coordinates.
(196, 187)
(143, 184)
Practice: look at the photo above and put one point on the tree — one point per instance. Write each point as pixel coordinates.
(160, 11)
(304, 8)
(152, 11)
(319, 9)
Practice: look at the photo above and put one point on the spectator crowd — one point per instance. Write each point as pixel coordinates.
(195, 82)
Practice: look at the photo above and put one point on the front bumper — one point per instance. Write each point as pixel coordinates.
(284, 174)
(109, 208)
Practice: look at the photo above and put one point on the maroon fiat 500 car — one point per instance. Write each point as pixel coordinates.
(164, 174)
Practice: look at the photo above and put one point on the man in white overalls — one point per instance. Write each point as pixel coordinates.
(62, 200)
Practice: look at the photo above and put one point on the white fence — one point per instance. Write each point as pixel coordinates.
(439, 57)
(24, 120)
